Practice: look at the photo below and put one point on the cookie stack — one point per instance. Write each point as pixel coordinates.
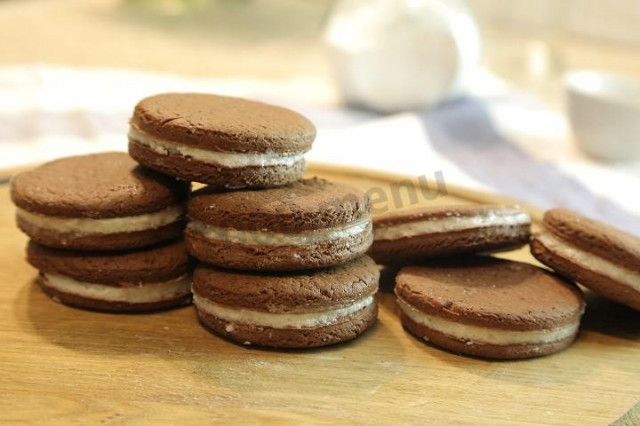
(106, 234)
(282, 258)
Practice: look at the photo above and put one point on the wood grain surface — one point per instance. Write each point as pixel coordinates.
(60, 365)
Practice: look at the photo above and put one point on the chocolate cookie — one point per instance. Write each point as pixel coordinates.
(132, 281)
(490, 307)
(411, 235)
(310, 224)
(221, 141)
(596, 255)
(99, 202)
(288, 310)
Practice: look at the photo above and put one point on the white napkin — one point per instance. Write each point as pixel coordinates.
(496, 140)
(464, 141)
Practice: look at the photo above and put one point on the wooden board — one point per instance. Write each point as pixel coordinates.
(67, 366)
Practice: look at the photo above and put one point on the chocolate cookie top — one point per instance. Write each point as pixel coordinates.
(443, 212)
(310, 204)
(222, 123)
(289, 292)
(156, 264)
(594, 237)
(95, 186)
(491, 292)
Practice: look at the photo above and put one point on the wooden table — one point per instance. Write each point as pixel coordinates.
(66, 366)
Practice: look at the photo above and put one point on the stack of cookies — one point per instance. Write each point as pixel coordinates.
(106, 234)
(282, 258)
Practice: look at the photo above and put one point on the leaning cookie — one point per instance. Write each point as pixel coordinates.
(411, 235)
(99, 202)
(287, 310)
(490, 307)
(221, 141)
(132, 281)
(312, 223)
(598, 256)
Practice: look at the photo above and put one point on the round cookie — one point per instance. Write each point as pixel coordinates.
(287, 310)
(312, 223)
(598, 256)
(411, 235)
(490, 307)
(221, 141)
(132, 281)
(99, 202)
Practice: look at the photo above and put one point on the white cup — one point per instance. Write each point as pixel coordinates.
(604, 112)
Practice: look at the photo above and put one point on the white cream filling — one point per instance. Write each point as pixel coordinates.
(87, 226)
(266, 238)
(279, 320)
(484, 335)
(448, 224)
(227, 159)
(140, 293)
(590, 261)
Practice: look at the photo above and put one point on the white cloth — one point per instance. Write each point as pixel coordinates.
(495, 140)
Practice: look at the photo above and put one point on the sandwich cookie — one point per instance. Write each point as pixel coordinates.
(221, 141)
(411, 235)
(133, 281)
(598, 256)
(310, 224)
(489, 307)
(99, 202)
(286, 310)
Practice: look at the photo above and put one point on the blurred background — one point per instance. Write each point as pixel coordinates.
(536, 100)
(529, 43)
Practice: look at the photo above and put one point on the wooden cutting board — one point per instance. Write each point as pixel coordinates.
(67, 366)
